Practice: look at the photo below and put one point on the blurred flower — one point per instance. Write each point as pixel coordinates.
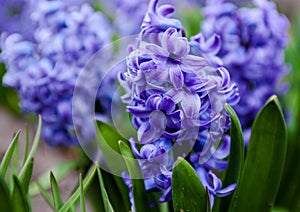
(253, 43)
(129, 15)
(44, 71)
(176, 98)
(15, 17)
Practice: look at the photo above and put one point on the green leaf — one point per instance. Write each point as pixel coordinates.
(107, 205)
(236, 159)
(8, 155)
(27, 176)
(76, 195)
(107, 139)
(26, 145)
(59, 171)
(188, 192)
(258, 186)
(280, 210)
(117, 191)
(5, 202)
(138, 187)
(55, 192)
(33, 149)
(18, 197)
(82, 201)
(14, 165)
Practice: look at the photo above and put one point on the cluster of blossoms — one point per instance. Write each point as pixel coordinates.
(253, 43)
(44, 70)
(176, 96)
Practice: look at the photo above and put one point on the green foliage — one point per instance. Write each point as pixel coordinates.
(8, 155)
(236, 160)
(75, 197)
(18, 197)
(59, 171)
(107, 205)
(55, 192)
(259, 182)
(82, 201)
(289, 188)
(8, 97)
(257, 176)
(5, 202)
(188, 192)
(15, 197)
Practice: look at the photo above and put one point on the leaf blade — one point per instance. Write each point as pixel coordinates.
(27, 176)
(8, 155)
(33, 148)
(260, 179)
(107, 205)
(18, 197)
(188, 192)
(236, 159)
(55, 192)
(5, 202)
(76, 195)
(82, 200)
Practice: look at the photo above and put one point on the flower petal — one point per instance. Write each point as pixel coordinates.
(176, 76)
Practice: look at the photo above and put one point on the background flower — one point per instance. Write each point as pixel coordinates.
(253, 43)
(44, 71)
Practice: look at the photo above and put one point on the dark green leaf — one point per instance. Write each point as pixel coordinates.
(27, 176)
(290, 180)
(117, 191)
(5, 204)
(107, 139)
(55, 192)
(18, 197)
(236, 159)
(188, 192)
(8, 155)
(280, 210)
(107, 205)
(258, 186)
(82, 201)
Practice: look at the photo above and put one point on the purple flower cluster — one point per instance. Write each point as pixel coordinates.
(253, 43)
(44, 71)
(176, 97)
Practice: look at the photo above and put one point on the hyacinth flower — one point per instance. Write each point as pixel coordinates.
(177, 102)
(253, 42)
(44, 71)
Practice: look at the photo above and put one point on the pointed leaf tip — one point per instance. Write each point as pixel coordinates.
(187, 190)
